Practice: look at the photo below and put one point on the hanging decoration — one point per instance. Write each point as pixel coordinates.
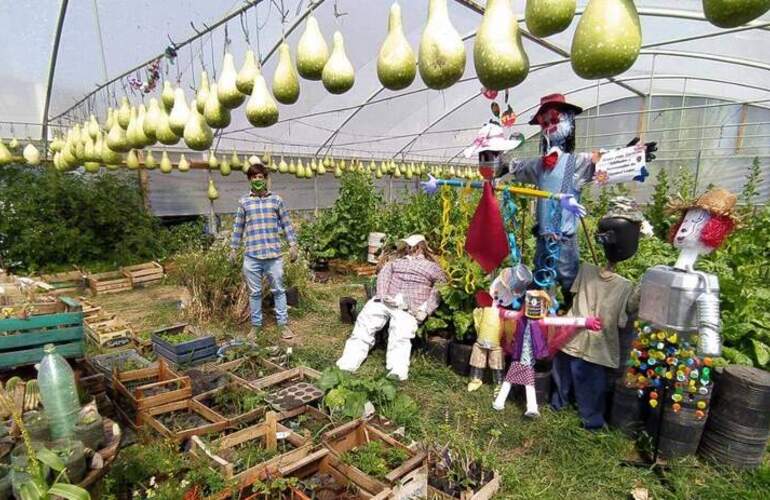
(285, 79)
(153, 75)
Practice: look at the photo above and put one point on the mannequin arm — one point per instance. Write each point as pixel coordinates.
(593, 323)
(510, 315)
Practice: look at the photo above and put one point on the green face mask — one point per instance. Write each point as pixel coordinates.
(258, 186)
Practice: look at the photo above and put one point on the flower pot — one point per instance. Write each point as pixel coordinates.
(348, 311)
(460, 358)
(437, 348)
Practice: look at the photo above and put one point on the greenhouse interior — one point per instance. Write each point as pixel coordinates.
(428, 249)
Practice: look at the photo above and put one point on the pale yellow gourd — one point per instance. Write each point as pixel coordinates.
(312, 51)
(245, 80)
(338, 75)
(261, 108)
(227, 89)
(285, 78)
(216, 115)
(396, 62)
(180, 113)
(165, 163)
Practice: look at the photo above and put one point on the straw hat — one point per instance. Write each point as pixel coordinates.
(717, 201)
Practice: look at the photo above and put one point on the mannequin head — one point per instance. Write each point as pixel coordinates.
(619, 237)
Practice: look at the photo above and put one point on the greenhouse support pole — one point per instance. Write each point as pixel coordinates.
(649, 94)
(741, 128)
(51, 73)
(315, 192)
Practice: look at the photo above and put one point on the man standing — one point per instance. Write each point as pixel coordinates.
(407, 293)
(259, 223)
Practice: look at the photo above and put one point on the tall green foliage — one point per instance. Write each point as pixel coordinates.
(751, 187)
(655, 212)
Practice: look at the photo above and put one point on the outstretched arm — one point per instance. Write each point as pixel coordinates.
(593, 323)
(510, 315)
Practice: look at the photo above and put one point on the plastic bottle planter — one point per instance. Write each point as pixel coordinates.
(190, 352)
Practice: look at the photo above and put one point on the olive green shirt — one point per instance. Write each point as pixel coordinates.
(602, 293)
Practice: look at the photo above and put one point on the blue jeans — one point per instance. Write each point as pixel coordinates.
(253, 270)
(567, 265)
(584, 383)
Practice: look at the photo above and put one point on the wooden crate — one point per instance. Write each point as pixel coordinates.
(152, 418)
(357, 268)
(409, 480)
(232, 367)
(191, 352)
(304, 430)
(22, 340)
(143, 274)
(66, 282)
(273, 383)
(90, 310)
(108, 332)
(232, 420)
(268, 432)
(109, 282)
(324, 462)
(484, 493)
(157, 376)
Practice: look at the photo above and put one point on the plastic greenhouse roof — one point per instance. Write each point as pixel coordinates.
(682, 53)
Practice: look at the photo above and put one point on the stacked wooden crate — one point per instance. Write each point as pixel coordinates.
(109, 282)
(145, 274)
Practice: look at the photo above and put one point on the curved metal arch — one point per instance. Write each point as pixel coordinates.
(667, 53)
(51, 73)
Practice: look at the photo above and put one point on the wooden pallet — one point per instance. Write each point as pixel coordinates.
(144, 274)
(267, 432)
(156, 377)
(151, 417)
(357, 268)
(66, 282)
(22, 340)
(409, 480)
(90, 309)
(109, 282)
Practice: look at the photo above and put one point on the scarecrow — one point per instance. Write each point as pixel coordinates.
(558, 170)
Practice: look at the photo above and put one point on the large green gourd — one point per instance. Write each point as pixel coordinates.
(338, 74)
(151, 119)
(607, 40)
(733, 13)
(116, 138)
(285, 79)
(548, 17)
(216, 115)
(202, 95)
(396, 63)
(212, 193)
(441, 57)
(245, 80)
(167, 96)
(163, 131)
(312, 51)
(124, 113)
(261, 109)
(498, 54)
(180, 113)
(197, 133)
(227, 88)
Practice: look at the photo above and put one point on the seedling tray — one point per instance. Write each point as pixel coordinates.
(109, 282)
(209, 400)
(152, 386)
(144, 274)
(22, 340)
(323, 463)
(291, 388)
(269, 435)
(200, 420)
(409, 480)
(191, 352)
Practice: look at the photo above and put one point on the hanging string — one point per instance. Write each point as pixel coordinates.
(213, 59)
(244, 28)
(192, 68)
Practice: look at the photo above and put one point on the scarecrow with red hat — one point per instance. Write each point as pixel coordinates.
(558, 170)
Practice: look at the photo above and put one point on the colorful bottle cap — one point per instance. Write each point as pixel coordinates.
(699, 414)
(677, 397)
(676, 407)
(701, 405)
(653, 403)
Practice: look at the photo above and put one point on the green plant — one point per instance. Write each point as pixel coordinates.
(347, 394)
(179, 337)
(238, 400)
(374, 458)
(655, 212)
(751, 187)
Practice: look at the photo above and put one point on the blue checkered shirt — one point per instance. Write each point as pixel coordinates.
(259, 223)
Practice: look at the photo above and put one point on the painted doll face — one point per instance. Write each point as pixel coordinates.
(688, 235)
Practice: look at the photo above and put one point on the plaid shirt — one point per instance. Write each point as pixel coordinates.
(416, 279)
(259, 223)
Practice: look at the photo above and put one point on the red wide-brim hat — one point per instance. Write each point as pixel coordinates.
(554, 101)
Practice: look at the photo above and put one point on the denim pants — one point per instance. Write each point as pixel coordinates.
(567, 265)
(253, 270)
(584, 383)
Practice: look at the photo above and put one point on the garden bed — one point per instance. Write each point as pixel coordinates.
(181, 420)
(249, 368)
(307, 421)
(254, 452)
(237, 402)
(182, 344)
(372, 458)
(152, 386)
(291, 388)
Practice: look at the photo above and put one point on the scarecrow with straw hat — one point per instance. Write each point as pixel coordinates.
(559, 170)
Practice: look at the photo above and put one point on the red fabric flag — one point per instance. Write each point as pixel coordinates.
(486, 240)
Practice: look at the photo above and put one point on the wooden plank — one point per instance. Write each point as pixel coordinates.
(42, 338)
(38, 322)
(29, 356)
(271, 442)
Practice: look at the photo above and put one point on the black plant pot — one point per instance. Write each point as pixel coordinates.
(292, 296)
(319, 265)
(460, 358)
(348, 310)
(438, 349)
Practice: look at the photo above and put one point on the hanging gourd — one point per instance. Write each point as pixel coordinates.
(198, 136)
(167, 96)
(109, 120)
(89, 151)
(282, 166)
(116, 138)
(441, 58)
(31, 155)
(292, 166)
(321, 168)
(338, 75)
(235, 161)
(110, 157)
(261, 108)
(213, 162)
(224, 167)
(285, 78)
(396, 62)
(92, 167)
(135, 132)
(227, 90)
(202, 95)
(498, 53)
(245, 80)
(337, 171)
(213, 194)
(312, 51)
(165, 163)
(149, 160)
(132, 160)
(163, 131)
(733, 13)
(6, 158)
(183, 164)
(124, 113)
(84, 136)
(548, 17)
(300, 170)
(93, 127)
(151, 120)
(180, 113)
(607, 40)
(216, 115)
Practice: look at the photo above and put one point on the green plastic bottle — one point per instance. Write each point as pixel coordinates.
(58, 393)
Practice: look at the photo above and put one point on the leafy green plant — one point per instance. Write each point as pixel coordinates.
(655, 212)
(375, 458)
(347, 394)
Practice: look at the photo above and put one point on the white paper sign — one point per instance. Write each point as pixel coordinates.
(622, 165)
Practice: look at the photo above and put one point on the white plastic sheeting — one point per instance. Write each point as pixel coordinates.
(418, 124)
